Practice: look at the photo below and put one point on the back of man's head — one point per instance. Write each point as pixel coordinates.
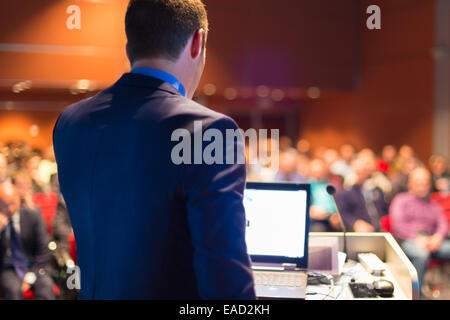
(162, 28)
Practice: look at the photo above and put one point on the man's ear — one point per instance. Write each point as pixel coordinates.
(128, 52)
(197, 43)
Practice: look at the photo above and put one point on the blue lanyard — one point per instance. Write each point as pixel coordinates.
(163, 76)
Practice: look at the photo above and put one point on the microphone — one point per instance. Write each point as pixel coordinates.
(332, 192)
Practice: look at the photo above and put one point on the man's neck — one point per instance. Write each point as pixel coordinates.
(164, 65)
(160, 64)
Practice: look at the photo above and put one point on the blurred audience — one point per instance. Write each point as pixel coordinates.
(366, 184)
(24, 253)
(420, 224)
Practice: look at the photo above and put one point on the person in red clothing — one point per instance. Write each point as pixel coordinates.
(47, 202)
(441, 183)
(388, 155)
(440, 174)
(443, 200)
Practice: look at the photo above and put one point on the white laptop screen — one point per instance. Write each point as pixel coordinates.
(276, 222)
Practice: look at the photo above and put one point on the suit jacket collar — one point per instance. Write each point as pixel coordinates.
(140, 80)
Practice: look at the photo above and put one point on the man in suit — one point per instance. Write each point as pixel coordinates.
(24, 253)
(145, 227)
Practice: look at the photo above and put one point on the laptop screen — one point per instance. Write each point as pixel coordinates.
(277, 222)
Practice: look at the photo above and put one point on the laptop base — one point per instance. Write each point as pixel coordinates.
(294, 286)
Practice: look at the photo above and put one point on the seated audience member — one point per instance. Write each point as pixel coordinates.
(18, 154)
(23, 183)
(342, 167)
(376, 178)
(400, 180)
(287, 171)
(322, 205)
(3, 168)
(404, 153)
(419, 224)
(443, 200)
(47, 166)
(440, 175)
(441, 184)
(384, 164)
(32, 165)
(363, 204)
(330, 157)
(24, 253)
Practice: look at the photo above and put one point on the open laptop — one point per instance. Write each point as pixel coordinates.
(277, 237)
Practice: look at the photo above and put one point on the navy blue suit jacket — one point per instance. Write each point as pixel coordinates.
(146, 228)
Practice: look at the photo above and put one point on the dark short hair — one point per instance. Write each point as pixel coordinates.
(161, 28)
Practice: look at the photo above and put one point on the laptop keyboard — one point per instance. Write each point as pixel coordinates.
(279, 279)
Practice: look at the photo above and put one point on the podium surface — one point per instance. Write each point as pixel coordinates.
(399, 269)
